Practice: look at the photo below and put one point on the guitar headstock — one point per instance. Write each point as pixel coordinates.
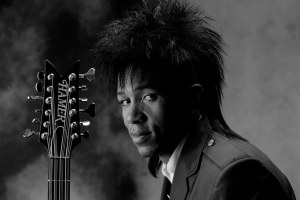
(59, 123)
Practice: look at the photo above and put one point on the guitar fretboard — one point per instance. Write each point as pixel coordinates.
(59, 179)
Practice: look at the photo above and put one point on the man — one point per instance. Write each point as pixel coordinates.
(165, 64)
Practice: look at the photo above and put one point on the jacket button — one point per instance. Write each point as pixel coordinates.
(211, 142)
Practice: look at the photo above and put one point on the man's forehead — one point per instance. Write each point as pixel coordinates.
(139, 82)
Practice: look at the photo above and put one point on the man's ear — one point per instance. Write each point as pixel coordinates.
(196, 94)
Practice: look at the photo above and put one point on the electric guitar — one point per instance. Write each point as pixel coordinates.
(59, 123)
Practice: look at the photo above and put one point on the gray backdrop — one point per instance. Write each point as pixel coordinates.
(261, 97)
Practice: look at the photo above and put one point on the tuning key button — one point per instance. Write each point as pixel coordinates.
(90, 110)
(85, 134)
(89, 75)
(36, 121)
(38, 110)
(28, 133)
(85, 123)
(83, 87)
(35, 98)
(39, 86)
(40, 75)
(83, 99)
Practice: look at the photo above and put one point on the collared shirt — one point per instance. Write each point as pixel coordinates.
(168, 169)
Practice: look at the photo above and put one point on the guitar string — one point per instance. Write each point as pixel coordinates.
(69, 130)
(50, 175)
(53, 109)
(65, 140)
(67, 147)
(69, 140)
(62, 157)
(54, 138)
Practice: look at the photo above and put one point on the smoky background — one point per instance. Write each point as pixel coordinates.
(261, 96)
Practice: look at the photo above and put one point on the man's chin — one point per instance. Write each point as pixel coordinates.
(146, 152)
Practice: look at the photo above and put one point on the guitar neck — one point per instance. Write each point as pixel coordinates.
(59, 179)
(60, 122)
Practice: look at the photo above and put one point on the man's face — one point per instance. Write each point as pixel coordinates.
(149, 114)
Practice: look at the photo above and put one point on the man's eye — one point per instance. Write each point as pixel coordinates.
(124, 102)
(150, 97)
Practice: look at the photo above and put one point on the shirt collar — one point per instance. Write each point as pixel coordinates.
(168, 169)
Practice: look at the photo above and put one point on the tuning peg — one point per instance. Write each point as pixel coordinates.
(48, 100)
(72, 89)
(72, 76)
(46, 124)
(40, 75)
(85, 123)
(44, 136)
(85, 134)
(35, 98)
(73, 125)
(36, 121)
(28, 133)
(72, 101)
(90, 110)
(39, 86)
(50, 76)
(74, 136)
(89, 75)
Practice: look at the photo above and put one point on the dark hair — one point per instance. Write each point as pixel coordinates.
(168, 35)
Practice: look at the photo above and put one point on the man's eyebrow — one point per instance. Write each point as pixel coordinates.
(145, 86)
(140, 87)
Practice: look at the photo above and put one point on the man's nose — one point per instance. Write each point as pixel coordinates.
(135, 115)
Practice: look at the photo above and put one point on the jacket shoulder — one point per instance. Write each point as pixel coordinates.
(223, 151)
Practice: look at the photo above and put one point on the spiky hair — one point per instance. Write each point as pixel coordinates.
(176, 38)
(169, 32)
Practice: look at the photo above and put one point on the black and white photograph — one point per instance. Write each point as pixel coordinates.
(149, 100)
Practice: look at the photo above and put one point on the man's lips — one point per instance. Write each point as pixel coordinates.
(140, 137)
